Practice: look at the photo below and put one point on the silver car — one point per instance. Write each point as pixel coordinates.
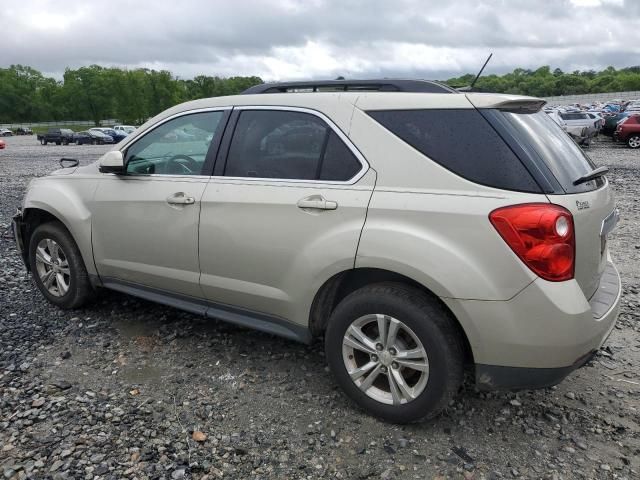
(418, 230)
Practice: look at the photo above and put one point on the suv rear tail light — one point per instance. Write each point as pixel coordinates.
(542, 235)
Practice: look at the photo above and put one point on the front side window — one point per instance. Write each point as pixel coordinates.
(288, 145)
(177, 147)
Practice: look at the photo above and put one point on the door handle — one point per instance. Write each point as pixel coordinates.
(180, 198)
(317, 202)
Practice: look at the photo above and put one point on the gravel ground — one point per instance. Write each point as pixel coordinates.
(129, 389)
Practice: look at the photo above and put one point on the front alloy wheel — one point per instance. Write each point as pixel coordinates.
(52, 267)
(57, 266)
(385, 359)
(634, 141)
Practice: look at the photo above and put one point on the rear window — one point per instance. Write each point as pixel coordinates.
(463, 142)
(544, 141)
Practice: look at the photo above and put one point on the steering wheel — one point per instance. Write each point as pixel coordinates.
(181, 165)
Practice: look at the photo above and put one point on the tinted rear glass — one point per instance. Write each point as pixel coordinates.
(463, 142)
(543, 139)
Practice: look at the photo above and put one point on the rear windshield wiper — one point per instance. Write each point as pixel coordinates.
(598, 172)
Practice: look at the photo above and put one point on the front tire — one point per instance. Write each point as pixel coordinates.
(57, 267)
(395, 351)
(634, 141)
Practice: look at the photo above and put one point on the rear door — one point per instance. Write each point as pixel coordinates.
(283, 212)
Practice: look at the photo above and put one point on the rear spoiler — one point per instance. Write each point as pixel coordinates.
(509, 103)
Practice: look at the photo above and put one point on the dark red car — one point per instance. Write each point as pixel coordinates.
(629, 131)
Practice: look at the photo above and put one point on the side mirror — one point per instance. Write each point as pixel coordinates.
(112, 162)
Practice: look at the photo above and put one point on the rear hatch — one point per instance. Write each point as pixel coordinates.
(556, 162)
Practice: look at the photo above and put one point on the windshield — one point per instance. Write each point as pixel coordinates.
(543, 138)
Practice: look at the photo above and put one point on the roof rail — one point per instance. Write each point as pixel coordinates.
(383, 85)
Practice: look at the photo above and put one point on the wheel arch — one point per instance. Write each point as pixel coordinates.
(36, 213)
(342, 284)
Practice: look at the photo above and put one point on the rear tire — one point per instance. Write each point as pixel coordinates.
(633, 141)
(426, 338)
(43, 142)
(57, 267)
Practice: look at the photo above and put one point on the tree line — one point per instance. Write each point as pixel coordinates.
(131, 96)
(95, 93)
(545, 82)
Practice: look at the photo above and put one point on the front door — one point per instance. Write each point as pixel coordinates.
(145, 222)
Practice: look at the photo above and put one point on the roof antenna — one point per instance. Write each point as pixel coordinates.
(480, 72)
(469, 88)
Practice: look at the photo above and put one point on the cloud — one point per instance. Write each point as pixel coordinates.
(295, 39)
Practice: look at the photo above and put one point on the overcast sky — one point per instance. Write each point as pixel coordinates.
(291, 39)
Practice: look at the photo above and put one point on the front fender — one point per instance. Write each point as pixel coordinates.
(66, 199)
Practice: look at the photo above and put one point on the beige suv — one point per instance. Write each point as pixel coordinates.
(419, 230)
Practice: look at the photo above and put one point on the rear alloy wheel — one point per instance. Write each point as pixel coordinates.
(57, 266)
(634, 141)
(395, 351)
(385, 359)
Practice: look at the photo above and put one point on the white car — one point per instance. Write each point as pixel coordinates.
(577, 130)
(127, 129)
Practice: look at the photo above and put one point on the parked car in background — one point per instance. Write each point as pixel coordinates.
(24, 131)
(611, 122)
(2, 144)
(578, 133)
(581, 119)
(629, 131)
(356, 217)
(125, 128)
(5, 132)
(117, 135)
(597, 118)
(91, 137)
(59, 136)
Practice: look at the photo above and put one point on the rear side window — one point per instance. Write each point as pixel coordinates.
(463, 142)
(288, 145)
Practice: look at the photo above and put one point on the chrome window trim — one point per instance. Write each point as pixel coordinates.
(363, 162)
(162, 122)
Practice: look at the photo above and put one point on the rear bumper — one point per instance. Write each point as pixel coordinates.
(495, 377)
(542, 334)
